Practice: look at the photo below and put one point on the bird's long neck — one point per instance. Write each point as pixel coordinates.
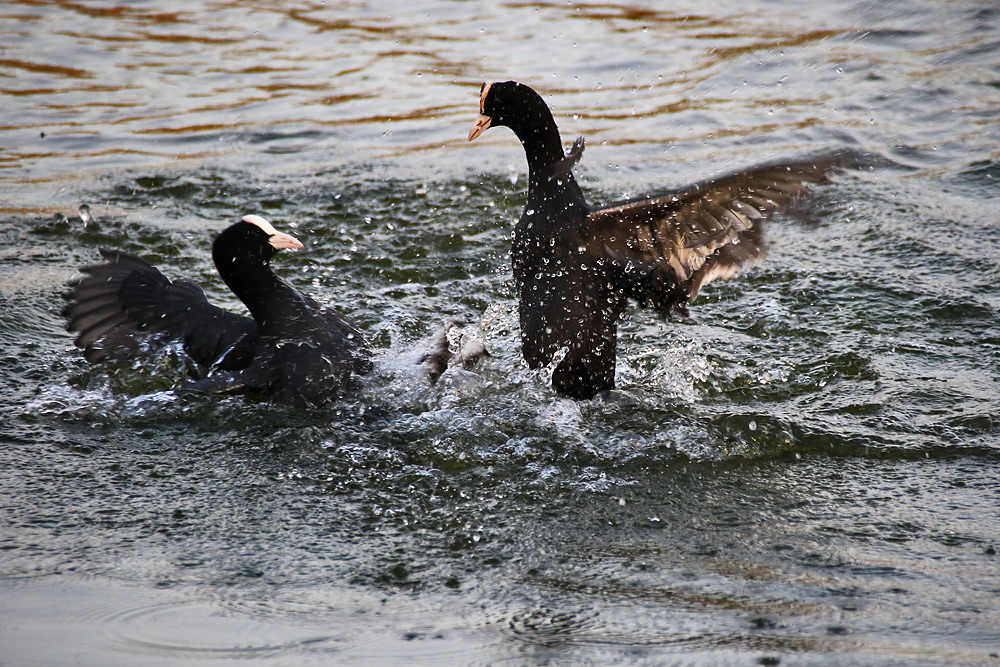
(536, 129)
(249, 276)
(538, 133)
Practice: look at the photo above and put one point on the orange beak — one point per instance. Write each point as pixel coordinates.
(482, 124)
(282, 241)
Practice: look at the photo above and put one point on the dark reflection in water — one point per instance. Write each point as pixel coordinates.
(805, 472)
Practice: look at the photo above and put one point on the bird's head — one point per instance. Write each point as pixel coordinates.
(509, 103)
(257, 230)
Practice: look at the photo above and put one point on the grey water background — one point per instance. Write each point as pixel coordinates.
(805, 473)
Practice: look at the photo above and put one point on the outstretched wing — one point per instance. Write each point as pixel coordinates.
(662, 249)
(113, 302)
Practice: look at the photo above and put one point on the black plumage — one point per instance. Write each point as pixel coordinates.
(575, 267)
(290, 347)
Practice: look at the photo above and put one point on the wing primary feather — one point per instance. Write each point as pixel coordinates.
(707, 231)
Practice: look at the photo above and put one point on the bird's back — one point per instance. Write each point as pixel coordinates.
(307, 352)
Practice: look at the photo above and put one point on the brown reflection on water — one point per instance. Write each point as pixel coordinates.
(767, 42)
(122, 11)
(45, 69)
(398, 80)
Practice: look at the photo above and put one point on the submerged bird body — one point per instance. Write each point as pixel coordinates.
(575, 268)
(292, 348)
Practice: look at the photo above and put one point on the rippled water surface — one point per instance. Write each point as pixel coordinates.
(806, 472)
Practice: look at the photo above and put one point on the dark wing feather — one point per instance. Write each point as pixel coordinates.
(662, 249)
(112, 302)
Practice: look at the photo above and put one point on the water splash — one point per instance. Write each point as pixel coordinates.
(148, 404)
(67, 402)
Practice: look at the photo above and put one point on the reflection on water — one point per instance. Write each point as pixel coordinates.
(90, 89)
(803, 472)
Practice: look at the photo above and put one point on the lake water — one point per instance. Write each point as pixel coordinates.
(807, 472)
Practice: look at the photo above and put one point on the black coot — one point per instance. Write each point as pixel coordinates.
(291, 348)
(576, 267)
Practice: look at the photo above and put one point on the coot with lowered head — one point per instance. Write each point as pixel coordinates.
(290, 348)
